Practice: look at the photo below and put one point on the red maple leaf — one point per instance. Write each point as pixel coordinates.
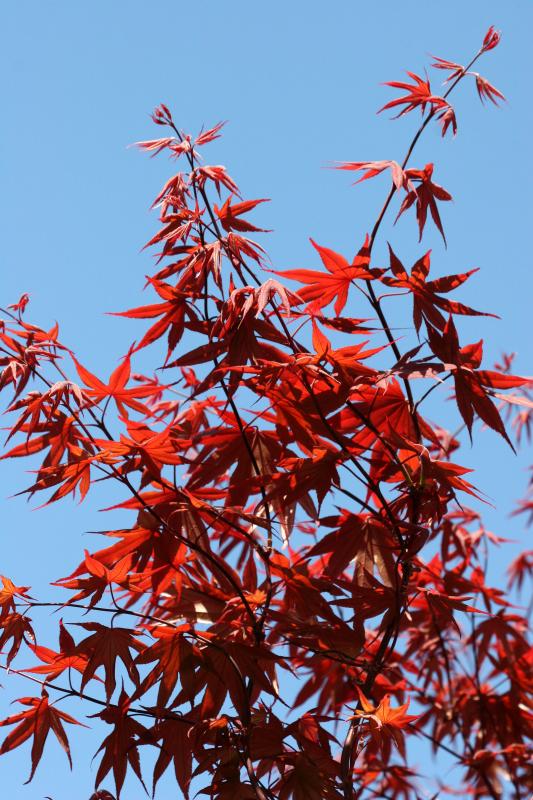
(102, 648)
(120, 748)
(322, 288)
(424, 196)
(472, 384)
(450, 66)
(426, 299)
(418, 95)
(373, 168)
(487, 91)
(37, 722)
(385, 723)
(116, 388)
(9, 594)
(230, 215)
(56, 663)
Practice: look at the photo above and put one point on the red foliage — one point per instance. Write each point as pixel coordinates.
(292, 511)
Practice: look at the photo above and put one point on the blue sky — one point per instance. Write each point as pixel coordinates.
(299, 85)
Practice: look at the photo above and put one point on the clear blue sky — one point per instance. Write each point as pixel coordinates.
(299, 84)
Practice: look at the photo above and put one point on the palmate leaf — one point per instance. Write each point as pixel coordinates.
(120, 747)
(424, 197)
(116, 388)
(386, 723)
(36, 723)
(373, 168)
(103, 648)
(472, 383)
(418, 95)
(427, 303)
(322, 288)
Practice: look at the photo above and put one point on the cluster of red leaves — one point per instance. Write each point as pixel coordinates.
(283, 485)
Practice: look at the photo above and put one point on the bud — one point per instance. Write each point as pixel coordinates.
(22, 303)
(492, 39)
(448, 119)
(161, 115)
(485, 90)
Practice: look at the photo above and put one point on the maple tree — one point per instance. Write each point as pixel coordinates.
(293, 513)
